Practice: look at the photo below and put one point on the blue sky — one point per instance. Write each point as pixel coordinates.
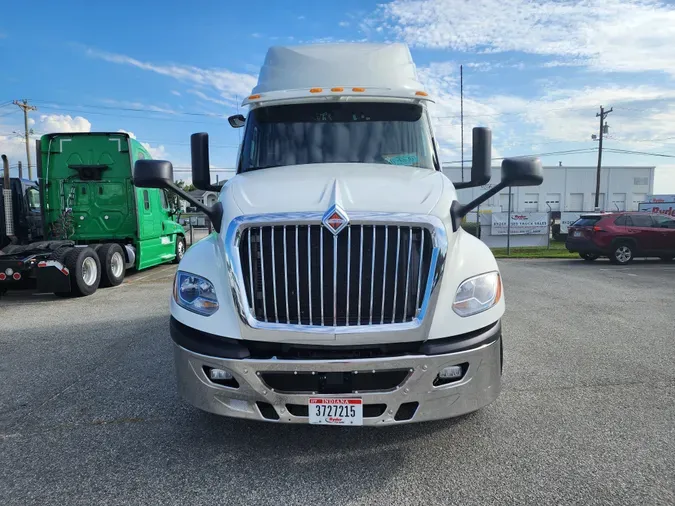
(534, 71)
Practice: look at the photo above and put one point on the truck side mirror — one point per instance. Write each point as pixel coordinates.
(522, 172)
(481, 159)
(515, 172)
(159, 174)
(237, 121)
(153, 174)
(201, 171)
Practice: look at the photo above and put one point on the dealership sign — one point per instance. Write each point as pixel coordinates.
(521, 223)
(667, 208)
(659, 199)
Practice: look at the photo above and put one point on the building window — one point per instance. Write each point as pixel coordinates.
(640, 181)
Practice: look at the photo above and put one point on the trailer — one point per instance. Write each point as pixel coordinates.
(96, 223)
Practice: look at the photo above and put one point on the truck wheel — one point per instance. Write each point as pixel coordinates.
(113, 269)
(85, 271)
(180, 249)
(622, 253)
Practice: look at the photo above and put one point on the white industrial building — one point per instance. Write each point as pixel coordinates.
(566, 189)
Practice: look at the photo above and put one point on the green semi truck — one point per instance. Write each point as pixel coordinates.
(97, 224)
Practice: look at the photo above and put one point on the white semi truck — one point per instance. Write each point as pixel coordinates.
(338, 287)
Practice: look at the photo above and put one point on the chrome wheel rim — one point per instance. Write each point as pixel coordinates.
(117, 264)
(623, 254)
(89, 271)
(181, 249)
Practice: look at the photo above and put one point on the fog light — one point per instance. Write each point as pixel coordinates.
(220, 374)
(9, 271)
(451, 372)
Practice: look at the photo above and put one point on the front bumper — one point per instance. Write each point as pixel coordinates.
(415, 399)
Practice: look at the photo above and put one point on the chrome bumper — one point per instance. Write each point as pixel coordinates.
(479, 386)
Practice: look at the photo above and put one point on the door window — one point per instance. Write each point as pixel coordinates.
(146, 200)
(663, 222)
(33, 198)
(641, 220)
(163, 200)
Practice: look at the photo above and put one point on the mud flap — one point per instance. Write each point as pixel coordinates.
(52, 277)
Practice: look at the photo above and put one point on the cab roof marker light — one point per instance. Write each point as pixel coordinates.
(316, 90)
(254, 97)
(358, 90)
(421, 94)
(337, 89)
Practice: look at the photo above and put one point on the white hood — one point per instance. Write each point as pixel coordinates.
(361, 187)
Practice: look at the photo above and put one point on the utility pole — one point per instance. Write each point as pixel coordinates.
(602, 115)
(23, 105)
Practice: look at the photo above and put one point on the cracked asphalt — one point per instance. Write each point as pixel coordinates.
(89, 413)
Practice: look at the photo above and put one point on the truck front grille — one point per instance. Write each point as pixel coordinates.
(365, 275)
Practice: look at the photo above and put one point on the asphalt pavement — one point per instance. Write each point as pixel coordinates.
(89, 412)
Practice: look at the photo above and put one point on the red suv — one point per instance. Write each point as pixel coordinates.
(622, 236)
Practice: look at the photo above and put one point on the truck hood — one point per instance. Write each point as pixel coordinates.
(356, 186)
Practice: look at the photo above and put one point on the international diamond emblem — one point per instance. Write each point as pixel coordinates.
(335, 220)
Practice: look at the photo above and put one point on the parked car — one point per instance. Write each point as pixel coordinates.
(622, 236)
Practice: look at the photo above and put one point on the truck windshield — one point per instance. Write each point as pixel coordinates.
(339, 132)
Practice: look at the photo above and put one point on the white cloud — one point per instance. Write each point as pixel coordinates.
(228, 83)
(343, 24)
(610, 35)
(52, 123)
(256, 35)
(131, 134)
(301, 18)
(157, 152)
(14, 146)
(174, 92)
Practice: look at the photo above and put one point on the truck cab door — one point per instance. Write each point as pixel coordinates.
(167, 228)
(33, 213)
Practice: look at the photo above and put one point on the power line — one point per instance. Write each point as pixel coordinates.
(629, 152)
(137, 109)
(568, 152)
(130, 116)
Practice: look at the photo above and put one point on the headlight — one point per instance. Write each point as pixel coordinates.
(195, 294)
(478, 294)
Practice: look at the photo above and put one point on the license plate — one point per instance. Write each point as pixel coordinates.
(577, 233)
(332, 411)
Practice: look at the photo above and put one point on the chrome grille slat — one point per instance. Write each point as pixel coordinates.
(309, 272)
(274, 278)
(384, 272)
(372, 278)
(288, 315)
(262, 270)
(297, 271)
(391, 290)
(349, 262)
(358, 319)
(322, 262)
(407, 270)
(250, 274)
(398, 250)
(419, 276)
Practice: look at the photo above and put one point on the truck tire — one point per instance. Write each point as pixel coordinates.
(113, 268)
(180, 249)
(85, 271)
(622, 253)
